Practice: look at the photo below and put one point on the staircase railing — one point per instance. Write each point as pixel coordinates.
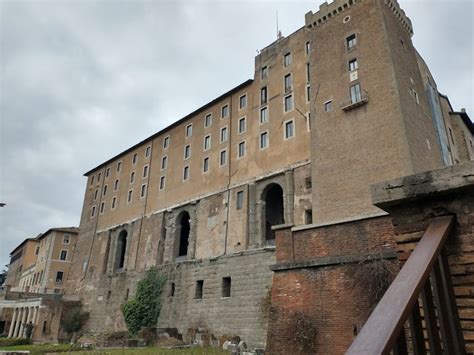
(418, 313)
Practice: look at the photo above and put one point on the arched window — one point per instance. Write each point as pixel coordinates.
(121, 249)
(182, 233)
(273, 208)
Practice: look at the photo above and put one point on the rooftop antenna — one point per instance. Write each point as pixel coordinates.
(278, 30)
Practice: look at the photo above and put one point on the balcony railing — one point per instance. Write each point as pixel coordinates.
(418, 312)
(349, 103)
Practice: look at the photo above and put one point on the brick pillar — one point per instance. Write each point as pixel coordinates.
(289, 196)
(252, 240)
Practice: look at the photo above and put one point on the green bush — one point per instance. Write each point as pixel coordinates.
(74, 320)
(14, 341)
(144, 309)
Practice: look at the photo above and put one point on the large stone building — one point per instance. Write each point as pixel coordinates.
(342, 103)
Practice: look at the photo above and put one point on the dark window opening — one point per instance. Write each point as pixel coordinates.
(127, 293)
(226, 286)
(59, 277)
(199, 288)
(172, 289)
(121, 248)
(183, 233)
(45, 323)
(273, 197)
(109, 294)
(308, 217)
(307, 183)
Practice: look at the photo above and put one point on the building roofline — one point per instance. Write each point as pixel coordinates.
(173, 125)
(59, 229)
(466, 120)
(21, 244)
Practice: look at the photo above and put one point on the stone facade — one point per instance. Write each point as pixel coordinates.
(295, 146)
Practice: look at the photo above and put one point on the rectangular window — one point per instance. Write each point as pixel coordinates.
(223, 135)
(207, 142)
(164, 162)
(263, 140)
(241, 151)
(308, 93)
(116, 185)
(205, 165)
(353, 65)
(351, 41)
(308, 217)
(223, 158)
(263, 95)
(264, 73)
(134, 158)
(225, 111)
(243, 101)
(208, 120)
(143, 191)
(308, 184)
(308, 73)
(145, 171)
(107, 172)
(59, 277)
(104, 190)
(93, 211)
(102, 207)
(186, 173)
(242, 125)
(147, 151)
(289, 129)
(114, 202)
(172, 290)
(288, 103)
(162, 182)
(95, 194)
(129, 196)
(99, 176)
(166, 142)
(288, 83)
(189, 130)
(287, 59)
(187, 152)
(226, 286)
(328, 106)
(65, 239)
(92, 180)
(355, 93)
(63, 255)
(199, 289)
(263, 115)
(132, 177)
(239, 200)
(119, 166)
(307, 47)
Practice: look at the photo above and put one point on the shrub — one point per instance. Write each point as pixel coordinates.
(144, 309)
(14, 341)
(74, 320)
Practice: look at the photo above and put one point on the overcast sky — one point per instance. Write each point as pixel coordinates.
(80, 81)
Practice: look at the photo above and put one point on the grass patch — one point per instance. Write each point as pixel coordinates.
(66, 349)
(37, 349)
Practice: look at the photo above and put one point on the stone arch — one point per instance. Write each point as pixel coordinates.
(272, 200)
(183, 229)
(121, 250)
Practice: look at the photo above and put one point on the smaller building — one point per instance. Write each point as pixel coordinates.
(35, 281)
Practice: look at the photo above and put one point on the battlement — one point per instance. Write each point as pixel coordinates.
(400, 15)
(328, 10)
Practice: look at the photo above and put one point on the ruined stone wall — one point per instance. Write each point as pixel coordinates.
(316, 283)
(238, 314)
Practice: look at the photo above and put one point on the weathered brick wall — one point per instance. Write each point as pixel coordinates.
(316, 276)
(413, 201)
